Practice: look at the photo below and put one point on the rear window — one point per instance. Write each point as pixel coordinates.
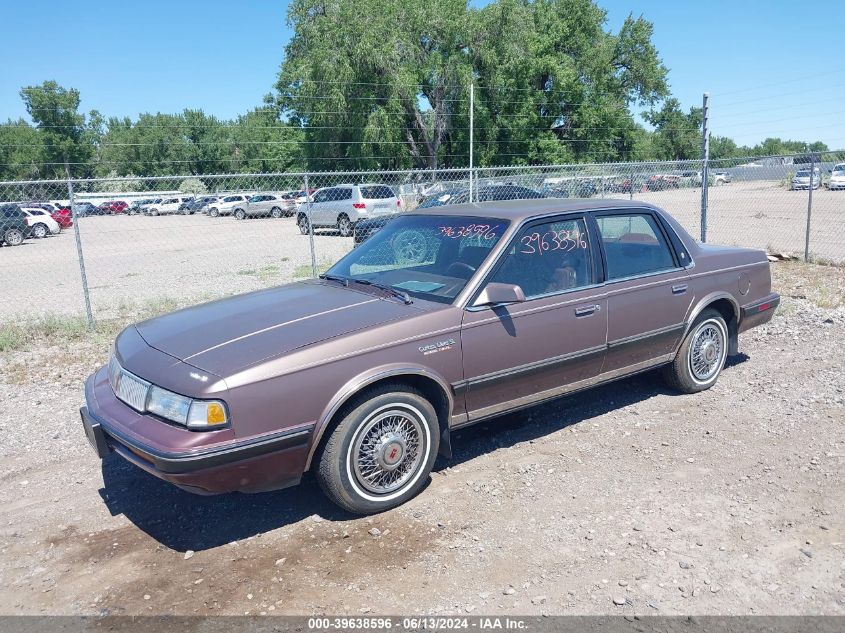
(376, 192)
(11, 211)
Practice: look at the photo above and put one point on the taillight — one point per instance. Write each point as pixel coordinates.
(28, 220)
(359, 205)
(398, 202)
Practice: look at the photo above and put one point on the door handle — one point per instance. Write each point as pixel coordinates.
(586, 310)
(679, 289)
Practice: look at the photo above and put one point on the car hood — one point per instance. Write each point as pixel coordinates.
(225, 336)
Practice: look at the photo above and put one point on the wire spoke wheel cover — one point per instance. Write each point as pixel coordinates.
(410, 247)
(707, 351)
(388, 450)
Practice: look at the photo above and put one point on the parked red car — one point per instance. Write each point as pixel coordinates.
(63, 216)
(112, 207)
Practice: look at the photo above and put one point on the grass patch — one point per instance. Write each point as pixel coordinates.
(21, 334)
(304, 271)
(823, 285)
(271, 272)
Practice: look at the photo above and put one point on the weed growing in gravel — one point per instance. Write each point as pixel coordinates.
(304, 271)
(47, 328)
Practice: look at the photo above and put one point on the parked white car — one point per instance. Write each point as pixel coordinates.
(802, 179)
(40, 222)
(341, 206)
(837, 177)
(264, 205)
(165, 206)
(227, 204)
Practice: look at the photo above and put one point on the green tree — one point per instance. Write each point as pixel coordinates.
(553, 84)
(63, 131)
(194, 186)
(677, 135)
(21, 151)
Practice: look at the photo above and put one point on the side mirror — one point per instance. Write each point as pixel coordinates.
(497, 294)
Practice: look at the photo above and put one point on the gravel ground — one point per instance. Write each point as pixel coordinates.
(628, 499)
(134, 261)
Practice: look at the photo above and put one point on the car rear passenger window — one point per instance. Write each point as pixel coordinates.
(633, 245)
(548, 258)
(376, 192)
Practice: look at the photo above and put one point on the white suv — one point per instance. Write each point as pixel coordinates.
(165, 206)
(226, 204)
(341, 206)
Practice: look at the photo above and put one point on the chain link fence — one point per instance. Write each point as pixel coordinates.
(144, 245)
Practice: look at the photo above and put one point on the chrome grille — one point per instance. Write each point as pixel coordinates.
(128, 387)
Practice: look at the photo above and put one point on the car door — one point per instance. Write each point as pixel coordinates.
(319, 205)
(553, 342)
(648, 294)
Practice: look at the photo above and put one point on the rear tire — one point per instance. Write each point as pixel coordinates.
(276, 212)
(13, 237)
(702, 354)
(240, 214)
(302, 223)
(381, 453)
(40, 231)
(213, 213)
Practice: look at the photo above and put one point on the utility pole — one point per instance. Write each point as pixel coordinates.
(705, 163)
(471, 122)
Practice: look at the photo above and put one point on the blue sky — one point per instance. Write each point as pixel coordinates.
(772, 68)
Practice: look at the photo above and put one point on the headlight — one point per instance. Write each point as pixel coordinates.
(149, 398)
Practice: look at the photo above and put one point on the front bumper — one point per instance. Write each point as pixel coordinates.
(267, 462)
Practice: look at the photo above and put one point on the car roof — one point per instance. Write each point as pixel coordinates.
(518, 210)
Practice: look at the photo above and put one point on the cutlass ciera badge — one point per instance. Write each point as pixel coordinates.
(439, 346)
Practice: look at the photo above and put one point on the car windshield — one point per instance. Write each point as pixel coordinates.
(802, 174)
(837, 169)
(452, 196)
(426, 256)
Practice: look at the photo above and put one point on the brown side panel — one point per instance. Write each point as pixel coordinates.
(646, 317)
(518, 351)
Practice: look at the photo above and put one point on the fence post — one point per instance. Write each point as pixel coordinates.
(310, 228)
(471, 134)
(810, 206)
(631, 196)
(705, 163)
(85, 291)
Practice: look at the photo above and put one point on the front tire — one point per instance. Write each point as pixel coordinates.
(213, 213)
(701, 356)
(276, 212)
(381, 453)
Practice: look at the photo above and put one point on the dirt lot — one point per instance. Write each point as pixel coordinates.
(134, 262)
(726, 502)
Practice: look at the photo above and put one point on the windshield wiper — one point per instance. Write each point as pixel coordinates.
(404, 296)
(343, 280)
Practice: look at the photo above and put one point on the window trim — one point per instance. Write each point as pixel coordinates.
(595, 215)
(597, 267)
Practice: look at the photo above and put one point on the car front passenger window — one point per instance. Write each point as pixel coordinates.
(548, 258)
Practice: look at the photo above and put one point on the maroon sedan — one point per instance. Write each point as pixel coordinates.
(443, 319)
(112, 207)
